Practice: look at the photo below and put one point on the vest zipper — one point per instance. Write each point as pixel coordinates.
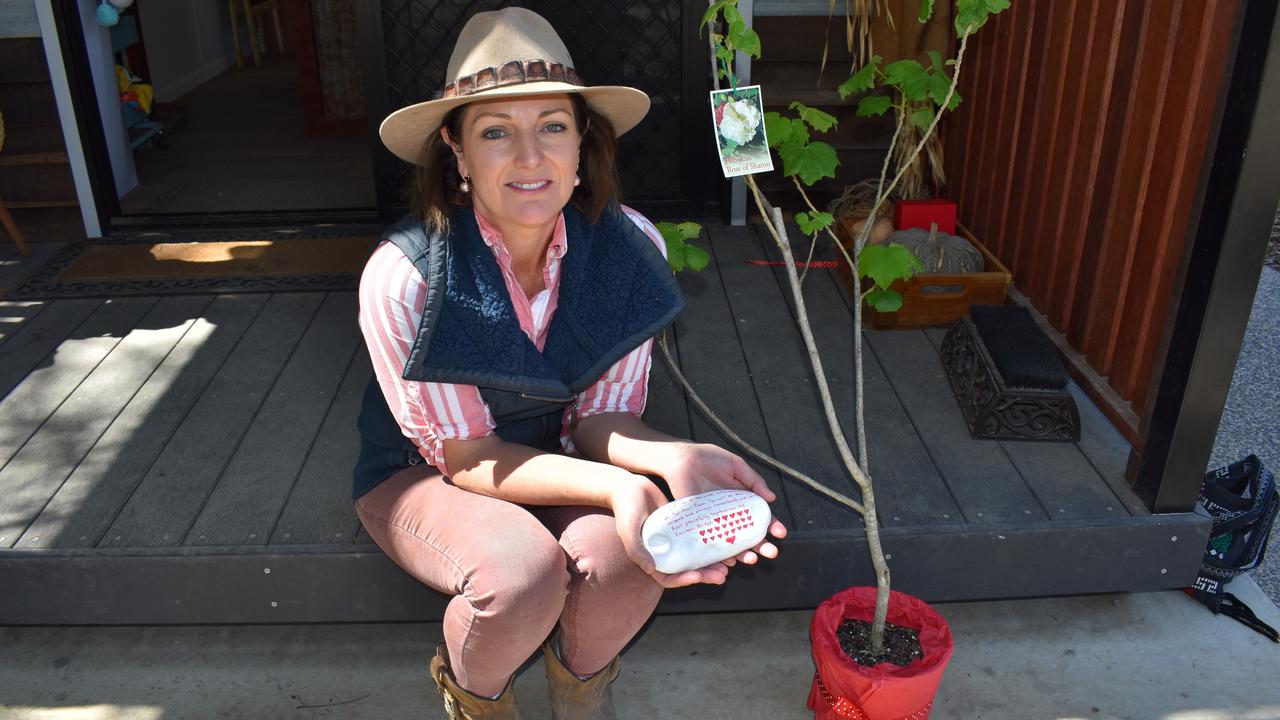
(527, 396)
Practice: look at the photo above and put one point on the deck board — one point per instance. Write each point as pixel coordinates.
(88, 502)
(50, 456)
(986, 485)
(36, 340)
(16, 313)
(319, 508)
(910, 492)
(29, 404)
(165, 504)
(713, 362)
(1058, 473)
(778, 365)
(251, 492)
(665, 409)
(205, 447)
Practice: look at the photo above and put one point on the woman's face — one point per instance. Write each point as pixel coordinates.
(521, 156)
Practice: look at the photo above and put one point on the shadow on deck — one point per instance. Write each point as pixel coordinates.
(186, 459)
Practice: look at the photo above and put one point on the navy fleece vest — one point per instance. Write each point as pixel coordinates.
(616, 291)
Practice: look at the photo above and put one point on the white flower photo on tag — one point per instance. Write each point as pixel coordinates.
(737, 115)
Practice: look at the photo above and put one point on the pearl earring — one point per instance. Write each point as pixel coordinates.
(577, 181)
(465, 186)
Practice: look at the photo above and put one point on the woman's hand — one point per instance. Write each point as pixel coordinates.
(699, 467)
(632, 499)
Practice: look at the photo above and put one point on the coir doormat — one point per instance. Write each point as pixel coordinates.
(241, 265)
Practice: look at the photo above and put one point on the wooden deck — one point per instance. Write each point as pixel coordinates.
(186, 459)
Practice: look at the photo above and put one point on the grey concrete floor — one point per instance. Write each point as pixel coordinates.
(1134, 657)
(1251, 419)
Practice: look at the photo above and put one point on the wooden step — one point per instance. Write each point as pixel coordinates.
(46, 158)
(802, 38)
(42, 184)
(21, 139)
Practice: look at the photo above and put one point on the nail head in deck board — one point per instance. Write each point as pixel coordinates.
(319, 504)
(909, 490)
(980, 476)
(779, 369)
(87, 503)
(712, 360)
(169, 498)
(251, 492)
(16, 313)
(342, 583)
(33, 342)
(49, 457)
(45, 388)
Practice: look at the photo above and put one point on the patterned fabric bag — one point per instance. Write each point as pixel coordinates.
(1242, 500)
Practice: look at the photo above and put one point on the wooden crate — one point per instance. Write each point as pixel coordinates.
(935, 299)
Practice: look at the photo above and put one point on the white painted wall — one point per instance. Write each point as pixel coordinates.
(188, 43)
(97, 41)
(66, 114)
(18, 19)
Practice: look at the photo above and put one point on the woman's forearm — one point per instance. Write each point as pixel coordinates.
(624, 440)
(521, 474)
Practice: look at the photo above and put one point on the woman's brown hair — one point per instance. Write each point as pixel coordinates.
(436, 180)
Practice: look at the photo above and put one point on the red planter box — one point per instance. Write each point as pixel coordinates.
(922, 213)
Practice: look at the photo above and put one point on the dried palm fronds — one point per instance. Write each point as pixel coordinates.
(858, 16)
(925, 172)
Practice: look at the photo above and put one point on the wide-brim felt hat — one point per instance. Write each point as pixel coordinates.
(500, 54)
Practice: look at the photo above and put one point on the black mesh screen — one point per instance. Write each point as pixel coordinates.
(639, 43)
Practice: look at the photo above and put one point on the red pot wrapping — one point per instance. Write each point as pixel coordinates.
(844, 690)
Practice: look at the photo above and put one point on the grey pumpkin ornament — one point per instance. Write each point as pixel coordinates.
(939, 252)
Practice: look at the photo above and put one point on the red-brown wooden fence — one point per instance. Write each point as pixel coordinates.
(1076, 157)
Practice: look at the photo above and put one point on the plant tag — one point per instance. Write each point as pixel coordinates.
(738, 117)
(706, 528)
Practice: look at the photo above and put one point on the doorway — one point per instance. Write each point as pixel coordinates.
(241, 106)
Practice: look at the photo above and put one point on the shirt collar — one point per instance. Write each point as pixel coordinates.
(559, 237)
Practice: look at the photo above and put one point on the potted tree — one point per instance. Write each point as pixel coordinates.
(856, 676)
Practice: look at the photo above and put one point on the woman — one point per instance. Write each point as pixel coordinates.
(510, 321)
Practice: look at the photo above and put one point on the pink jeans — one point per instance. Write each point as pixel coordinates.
(514, 572)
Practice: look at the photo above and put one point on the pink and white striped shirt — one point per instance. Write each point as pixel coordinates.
(392, 295)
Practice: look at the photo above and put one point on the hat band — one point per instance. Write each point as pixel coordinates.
(515, 72)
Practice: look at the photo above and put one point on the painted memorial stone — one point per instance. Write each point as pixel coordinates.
(706, 528)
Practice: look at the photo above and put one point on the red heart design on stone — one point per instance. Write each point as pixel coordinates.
(704, 540)
(730, 538)
(702, 532)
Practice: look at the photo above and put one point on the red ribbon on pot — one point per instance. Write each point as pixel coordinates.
(884, 691)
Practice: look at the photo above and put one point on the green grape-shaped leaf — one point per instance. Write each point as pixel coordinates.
(747, 41)
(689, 230)
(814, 118)
(696, 258)
(922, 117)
(926, 10)
(710, 14)
(909, 77)
(814, 222)
(810, 162)
(861, 81)
(874, 105)
(782, 130)
(885, 300)
(886, 263)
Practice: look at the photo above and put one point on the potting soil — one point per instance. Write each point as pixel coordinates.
(901, 644)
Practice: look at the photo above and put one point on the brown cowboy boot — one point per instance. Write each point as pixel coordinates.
(576, 699)
(462, 705)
